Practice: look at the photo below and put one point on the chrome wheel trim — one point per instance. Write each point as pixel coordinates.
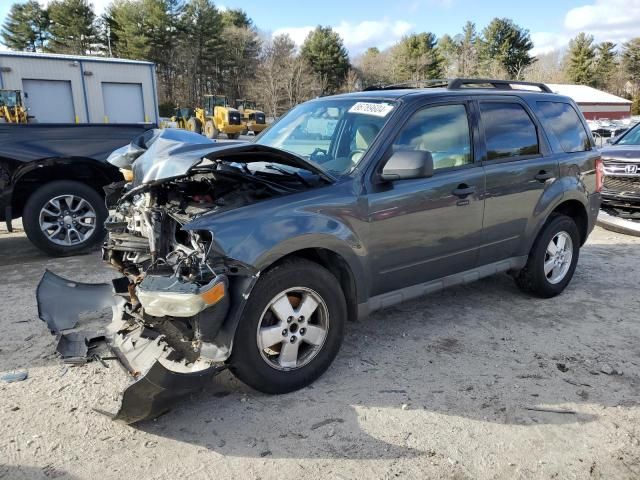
(67, 220)
(293, 328)
(557, 259)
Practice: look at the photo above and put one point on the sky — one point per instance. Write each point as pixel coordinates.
(380, 23)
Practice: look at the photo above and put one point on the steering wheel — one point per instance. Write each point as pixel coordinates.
(318, 154)
(355, 152)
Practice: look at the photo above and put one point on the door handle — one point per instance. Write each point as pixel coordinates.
(463, 190)
(543, 176)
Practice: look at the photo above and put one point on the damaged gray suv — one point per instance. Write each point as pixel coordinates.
(252, 256)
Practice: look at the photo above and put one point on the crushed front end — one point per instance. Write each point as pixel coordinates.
(175, 289)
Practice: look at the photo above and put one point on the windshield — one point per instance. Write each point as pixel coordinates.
(333, 133)
(8, 98)
(632, 137)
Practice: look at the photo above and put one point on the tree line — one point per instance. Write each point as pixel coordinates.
(199, 48)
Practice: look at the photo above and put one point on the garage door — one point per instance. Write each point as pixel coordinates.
(123, 102)
(50, 101)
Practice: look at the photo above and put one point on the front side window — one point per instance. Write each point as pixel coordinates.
(632, 137)
(508, 130)
(565, 124)
(333, 133)
(441, 130)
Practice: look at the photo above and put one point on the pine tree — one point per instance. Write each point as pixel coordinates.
(605, 65)
(505, 45)
(581, 60)
(202, 46)
(468, 51)
(236, 17)
(416, 57)
(26, 27)
(125, 20)
(631, 60)
(324, 51)
(73, 27)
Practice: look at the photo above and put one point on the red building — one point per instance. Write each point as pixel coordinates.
(595, 104)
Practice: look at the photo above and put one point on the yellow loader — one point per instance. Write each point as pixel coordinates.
(254, 120)
(215, 117)
(11, 108)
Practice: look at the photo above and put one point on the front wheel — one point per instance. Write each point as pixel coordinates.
(64, 217)
(291, 329)
(210, 130)
(194, 125)
(553, 258)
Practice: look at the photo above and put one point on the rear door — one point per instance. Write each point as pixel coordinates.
(427, 228)
(519, 166)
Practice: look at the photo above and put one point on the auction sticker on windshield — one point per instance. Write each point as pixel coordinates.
(367, 108)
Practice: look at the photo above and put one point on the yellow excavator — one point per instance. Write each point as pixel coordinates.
(254, 120)
(214, 117)
(11, 108)
(179, 119)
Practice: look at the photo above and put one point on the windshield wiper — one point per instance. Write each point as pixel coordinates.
(290, 174)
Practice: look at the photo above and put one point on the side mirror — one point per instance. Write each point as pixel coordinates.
(405, 164)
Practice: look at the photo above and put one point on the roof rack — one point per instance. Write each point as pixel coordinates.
(460, 83)
(435, 83)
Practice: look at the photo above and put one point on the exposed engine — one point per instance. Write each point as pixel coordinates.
(177, 286)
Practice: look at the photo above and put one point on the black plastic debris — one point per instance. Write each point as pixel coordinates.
(61, 301)
(73, 346)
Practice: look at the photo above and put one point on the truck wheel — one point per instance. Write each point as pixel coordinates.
(210, 130)
(233, 136)
(552, 259)
(291, 328)
(64, 217)
(194, 125)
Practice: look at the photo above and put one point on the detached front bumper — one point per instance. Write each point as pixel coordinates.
(159, 374)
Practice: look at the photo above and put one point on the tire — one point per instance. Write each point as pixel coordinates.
(252, 365)
(194, 125)
(233, 136)
(210, 130)
(58, 245)
(532, 278)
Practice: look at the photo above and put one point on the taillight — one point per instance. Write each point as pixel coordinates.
(599, 174)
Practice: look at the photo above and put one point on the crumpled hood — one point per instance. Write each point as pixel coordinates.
(162, 154)
(623, 153)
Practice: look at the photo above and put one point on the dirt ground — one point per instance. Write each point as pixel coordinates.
(442, 387)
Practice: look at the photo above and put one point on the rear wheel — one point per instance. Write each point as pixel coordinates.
(194, 125)
(553, 258)
(64, 217)
(291, 329)
(210, 130)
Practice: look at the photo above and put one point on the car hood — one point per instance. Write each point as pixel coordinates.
(623, 153)
(162, 154)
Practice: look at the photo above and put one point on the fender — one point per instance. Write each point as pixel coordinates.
(284, 226)
(12, 174)
(562, 190)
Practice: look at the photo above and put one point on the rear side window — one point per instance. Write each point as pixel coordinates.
(508, 130)
(564, 122)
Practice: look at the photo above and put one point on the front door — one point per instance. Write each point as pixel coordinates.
(427, 228)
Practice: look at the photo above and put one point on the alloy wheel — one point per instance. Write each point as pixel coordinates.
(293, 328)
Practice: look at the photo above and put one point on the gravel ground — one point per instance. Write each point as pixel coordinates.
(442, 387)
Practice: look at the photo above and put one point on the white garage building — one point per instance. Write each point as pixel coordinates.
(79, 89)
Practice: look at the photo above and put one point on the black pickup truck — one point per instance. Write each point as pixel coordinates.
(52, 176)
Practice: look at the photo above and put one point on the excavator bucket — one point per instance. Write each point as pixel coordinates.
(158, 374)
